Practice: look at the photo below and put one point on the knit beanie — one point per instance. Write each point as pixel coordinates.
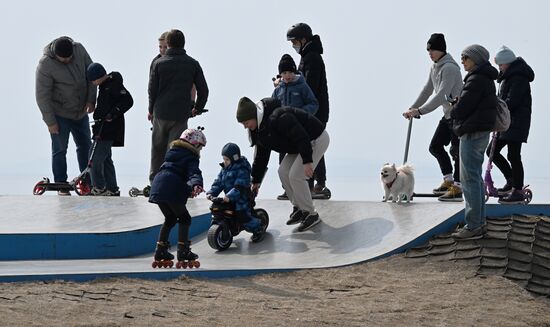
(95, 71)
(63, 47)
(246, 109)
(286, 64)
(437, 42)
(504, 56)
(477, 53)
(232, 151)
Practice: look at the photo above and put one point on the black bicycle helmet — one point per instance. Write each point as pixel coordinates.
(299, 31)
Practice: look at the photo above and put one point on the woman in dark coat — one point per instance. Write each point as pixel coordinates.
(514, 78)
(474, 115)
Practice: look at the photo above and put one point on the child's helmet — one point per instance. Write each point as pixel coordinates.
(194, 137)
(299, 31)
(232, 151)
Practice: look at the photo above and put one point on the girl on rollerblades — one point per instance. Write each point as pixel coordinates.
(179, 178)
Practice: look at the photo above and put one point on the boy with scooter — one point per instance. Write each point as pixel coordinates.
(234, 181)
(113, 101)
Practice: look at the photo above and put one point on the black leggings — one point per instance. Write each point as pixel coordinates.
(513, 171)
(444, 135)
(174, 213)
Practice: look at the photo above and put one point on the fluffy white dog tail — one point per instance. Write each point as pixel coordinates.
(407, 169)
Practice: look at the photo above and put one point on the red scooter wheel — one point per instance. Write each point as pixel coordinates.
(39, 188)
(81, 187)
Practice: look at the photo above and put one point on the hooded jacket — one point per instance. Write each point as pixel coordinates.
(312, 67)
(234, 181)
(516, 91)
(178, 174)
(170, 83)
(446, 81)
(62, 89)
(296, 94)
(284, 130)
(476, 110)
(112, 102)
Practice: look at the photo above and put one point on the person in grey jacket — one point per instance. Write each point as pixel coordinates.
(65, 97)
(170, 89)
(445, 81)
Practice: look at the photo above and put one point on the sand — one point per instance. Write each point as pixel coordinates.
(395, 291)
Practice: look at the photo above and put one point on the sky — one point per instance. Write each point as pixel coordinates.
(375, 56)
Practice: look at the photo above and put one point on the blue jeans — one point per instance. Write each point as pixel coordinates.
(472, 149)
(103, 170)
(82, 139)
(253, 225)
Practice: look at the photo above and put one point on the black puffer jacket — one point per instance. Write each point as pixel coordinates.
(476, 110)
(516, 91)
(284, 130)
(112, 102)
(312, 67)
(170, 83)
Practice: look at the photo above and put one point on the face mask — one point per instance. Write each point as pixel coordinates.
(297, 48)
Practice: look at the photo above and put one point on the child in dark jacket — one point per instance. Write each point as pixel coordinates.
(234, 181)
(292, 89)
(179, 178)
(112, 102)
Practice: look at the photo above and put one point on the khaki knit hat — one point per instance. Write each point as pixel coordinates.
(246, 109)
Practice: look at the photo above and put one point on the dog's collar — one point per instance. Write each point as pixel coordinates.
(390, 184)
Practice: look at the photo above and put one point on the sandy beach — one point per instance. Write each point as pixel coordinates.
(395, 291)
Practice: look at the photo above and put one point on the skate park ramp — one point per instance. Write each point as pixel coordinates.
(350, 232)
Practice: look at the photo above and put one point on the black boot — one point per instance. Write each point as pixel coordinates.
(163, 258)
(186, 258)
(506, 188)
(162, 253)
(514, 197)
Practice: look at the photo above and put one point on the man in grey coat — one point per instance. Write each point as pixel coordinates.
(65, 97)
(445, 81)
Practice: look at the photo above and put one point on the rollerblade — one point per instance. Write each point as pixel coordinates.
(134, 192)
(163, 258)
(186, 258)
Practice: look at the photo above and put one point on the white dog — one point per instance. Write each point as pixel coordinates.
(397, 182)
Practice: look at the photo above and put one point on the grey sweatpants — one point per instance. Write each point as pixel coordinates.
(164, 132)
(293, 177)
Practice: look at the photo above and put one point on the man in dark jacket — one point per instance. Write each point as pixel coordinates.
(514, 78)
(292, 131)
(474, 115)
(65, 97)
(170, 104)
(112, 102)
(312, 66)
